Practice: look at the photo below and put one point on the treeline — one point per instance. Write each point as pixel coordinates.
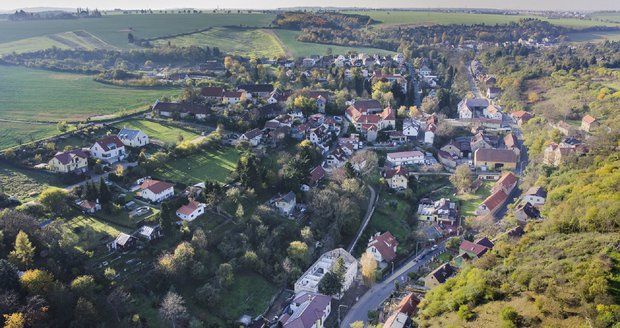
(454, 34)
(331, 20)
(21, 15)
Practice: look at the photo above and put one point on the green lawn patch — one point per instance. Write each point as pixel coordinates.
(249, 294)
(90, 233)
(23, 184)
(165, 133)
(594, 36)
(302, 49)
(29, 94)
(214, 165)
(469, 202)
(14, 134)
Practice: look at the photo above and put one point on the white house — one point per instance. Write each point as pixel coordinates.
(285, 204)
(535, 196)
(307, 310)
(109, 149)
(253, 136)
(156, 191)
(429, 134)
(405, 157)
(69, 161)
(133, 138)
(397, 178)
(492, 112)
(411, 128)
(309, 281)
(383, 247)
(232, 97)
(191, 211)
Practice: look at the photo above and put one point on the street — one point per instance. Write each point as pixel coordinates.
(381, 291)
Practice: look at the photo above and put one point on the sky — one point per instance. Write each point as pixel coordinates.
(272, 4)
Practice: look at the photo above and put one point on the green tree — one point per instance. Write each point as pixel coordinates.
(23, 253)
(85, 314)
(9, 279)
(225, 275)
(462, 178)
(54, 199)
(298, 250)
(84, 286)
(331, 284)
(509, 316)
(105, 195)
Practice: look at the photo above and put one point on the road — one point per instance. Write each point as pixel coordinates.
(96, 177)
(472, 83)
(381, 291)
(372, 202)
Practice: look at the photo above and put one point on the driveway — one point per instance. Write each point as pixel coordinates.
(381, 291)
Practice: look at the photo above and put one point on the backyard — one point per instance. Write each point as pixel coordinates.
(89, 233)
(213, 165)
(470, 201)
(23, 184)
(164, 133)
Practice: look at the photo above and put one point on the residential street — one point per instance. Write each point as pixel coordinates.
(372, 201)
(381, 291)
(472, 84)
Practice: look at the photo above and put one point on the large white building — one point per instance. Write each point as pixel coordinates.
(133, 138)
(156, 191)
(109, 149)
(405, 157)
(309, 281)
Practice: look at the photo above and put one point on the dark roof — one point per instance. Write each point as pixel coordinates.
(126, 133)
(310, 308)
(477, 249)
(179, 107)
(363, 105)
(65, 157)
(443, 273)
(537, 191)
(495, 155)
(255, 87)
(253, 133)
(384, 243)
(212, 91)
(316, 174)
(484, 241)
(289, 197)
(110, 142)
(530, 210)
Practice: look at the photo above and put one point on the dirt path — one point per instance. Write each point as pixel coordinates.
(287, 52)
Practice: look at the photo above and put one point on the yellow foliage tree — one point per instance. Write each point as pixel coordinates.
(14, 320)
(369, 268)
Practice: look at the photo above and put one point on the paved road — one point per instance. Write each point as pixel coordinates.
(472, 83)
(372, 202)
(381, 291)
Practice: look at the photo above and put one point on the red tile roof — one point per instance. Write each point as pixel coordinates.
(212, 91)
(108, 141)
(469, 247)
(588, 119)
(316, 174)
(399, 170)
(385, 244)
(189, 208)
(155, 186)
(495, 199)
(495, 155)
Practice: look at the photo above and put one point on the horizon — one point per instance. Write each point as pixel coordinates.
(549, 5)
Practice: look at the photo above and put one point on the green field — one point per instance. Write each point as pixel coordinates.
(30, 94)
(206, 165)
(432, 18)
(164, 133)
(249, 294)
(24, 184)
(302, 49)
(597, 36)
(13, 134)
(471, 201)
(88, 233)
(607, 16)
(113, 29)
(67, 40)
(247, 42)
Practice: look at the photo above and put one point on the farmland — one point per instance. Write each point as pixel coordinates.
(247, 42)
(24, 184)
(113, 29)
(163, 133)
(594, 36)
(443, 18)
(215, 165)
(30, 94)
(13, 134)
(67, 40)
(301, 49)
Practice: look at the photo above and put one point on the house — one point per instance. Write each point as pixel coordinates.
(439, 275)
(588, 123)
(405, 158)
(493, 112)
(526, 211)
(307, 310)
(316, 175)
(492, 203)
(156, 191)
(429, 134)
(411, 127)
(232, 97)
(190, 211)
(535, 195)
(397, 178)
(109, 149)
(397, 136)
(493, 92)
(88, 206)
(441, 211)
(563, 127)
(72, 161)
(133, 138)
(256, 90)
(452, 148)
(367, 115)
(253, 137)
(122, 242)
(285, 204)
(391, 78)
(182, 110)
(520, 117)
(150, 232)
(447, 159)
(495, 159)
(480, 140)
(401, 316)
(309, 280)
(425, 71)
(212, 93)
(556, 154)
(383, 247)
(321, 97)
(510, 141)
(475, 249)
(506, 183)
(467, 108)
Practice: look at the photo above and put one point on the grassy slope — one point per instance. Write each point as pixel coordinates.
(300, 49)
(11, 133)
(164, 133)
(255, 42)
(114, 28)
(211, 165)
(429, 18)
(42, 95)
(88, 233)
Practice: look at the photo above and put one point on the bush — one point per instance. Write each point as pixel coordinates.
(465, 313)
(509, 316)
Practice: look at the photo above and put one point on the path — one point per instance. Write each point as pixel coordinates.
(373, 298)
(95, 178)
(472, 83)
(372, 202)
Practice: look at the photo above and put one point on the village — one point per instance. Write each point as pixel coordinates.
(116, 172)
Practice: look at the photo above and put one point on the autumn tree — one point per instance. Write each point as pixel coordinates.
(369, 268)
(298, 250)
(54, 199)
(14, 320)
(462, 178)
(173, 309)
(37, 281)
(24, 252)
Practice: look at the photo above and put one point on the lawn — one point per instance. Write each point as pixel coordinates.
(161, 132)
(113, 29)
(88, 233)
(411, 17)
(24, 184)
(66, 40)
(302, 49)
(249, 294)
(214, 165)
(469, 202)
(31, 94)
(244, 42)
(13, 134)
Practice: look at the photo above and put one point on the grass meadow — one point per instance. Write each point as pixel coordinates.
(301, 49)
(164, 133)
(25, 185)
(213, 165)
(30, 94)
(14, 134)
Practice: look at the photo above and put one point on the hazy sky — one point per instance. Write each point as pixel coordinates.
(268, 4)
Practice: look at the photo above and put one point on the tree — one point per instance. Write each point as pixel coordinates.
(85, 314)
(14, 320)
(105, 195)
(117, 301)
(208, 294)
(331, 284)
(462, 178)
(130, 38)
(54, 199)
(225, 275)
(173, 309)
(453, 244)
(366, 162)
(37, 281)
(369, 268)
(9, 279)
(298, 250)
(357, 324)
(430, 105)
(509, 316)
(84, 286)
(24, 252)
